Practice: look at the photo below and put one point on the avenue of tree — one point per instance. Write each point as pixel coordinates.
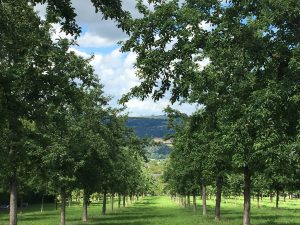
(58, 134)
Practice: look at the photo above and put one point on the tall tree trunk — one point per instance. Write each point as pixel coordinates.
(104, 204)
(112, 198)
(42, 205)
(219, 183)
(247, 196)
(85, 206)
(284, 196)
(258, 196)
(119, 200)
(124, 200)
(277, 199)
(56, 203)
(13, 203)
(204, 206)
(189, 201)
(63, 206)
(194, 202)
(271, 197)
(184, 201)
(21, 205)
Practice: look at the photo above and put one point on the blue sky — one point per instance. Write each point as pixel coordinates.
(114, 68)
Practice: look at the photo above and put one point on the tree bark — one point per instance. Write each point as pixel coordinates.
(258, 196)
(63, 206)
(271, 197)
(42, 205)
(277, 199)
(104, 204)
(119, 200)
(184, 201)
(124, 200)
(188, 200)
(204, 206)
(85, 207)
(194, 202)
(21, 205)
(219, 183)
(112, 198)
(247, 196)
(13, 203)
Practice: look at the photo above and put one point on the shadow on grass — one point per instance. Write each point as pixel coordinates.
(134, 219)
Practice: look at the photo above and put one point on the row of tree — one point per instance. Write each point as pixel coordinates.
(196, 167)
(57, 132)
(239, 60)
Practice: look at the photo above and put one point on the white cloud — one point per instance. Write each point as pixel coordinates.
(92, 40)
(149, 108)
(57, 33)
(118, 76)
(206, 25)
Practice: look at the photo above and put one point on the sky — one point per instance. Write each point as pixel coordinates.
(115, 69)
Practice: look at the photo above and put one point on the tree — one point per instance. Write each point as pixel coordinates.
(68, 118)
(64, 12)
(25, 45)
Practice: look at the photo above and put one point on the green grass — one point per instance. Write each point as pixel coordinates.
(162, 211)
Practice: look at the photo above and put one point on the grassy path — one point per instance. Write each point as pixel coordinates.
(162, 211)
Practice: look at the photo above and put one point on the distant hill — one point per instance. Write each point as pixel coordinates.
(152, 127)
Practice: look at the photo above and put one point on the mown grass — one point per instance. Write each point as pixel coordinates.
(162, 211)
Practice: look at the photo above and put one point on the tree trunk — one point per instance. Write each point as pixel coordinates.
(112, 197)
(104, 204)
(271, 197)
(85, 207)
(247, 196)
(13, 203)
(204, 206)
(124, 200)
(42, 205)
(277, 199)
(63, 206)
(219, 183)
(284, 196)
(21, 205)
(119, 200)
(189, 200)
(194, 202)
(258, 196)
(184, 201)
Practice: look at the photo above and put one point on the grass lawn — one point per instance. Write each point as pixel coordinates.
(162, 211)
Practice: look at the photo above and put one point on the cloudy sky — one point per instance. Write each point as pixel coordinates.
(114, 68)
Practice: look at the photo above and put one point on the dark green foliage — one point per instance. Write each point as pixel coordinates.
(249, 88)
